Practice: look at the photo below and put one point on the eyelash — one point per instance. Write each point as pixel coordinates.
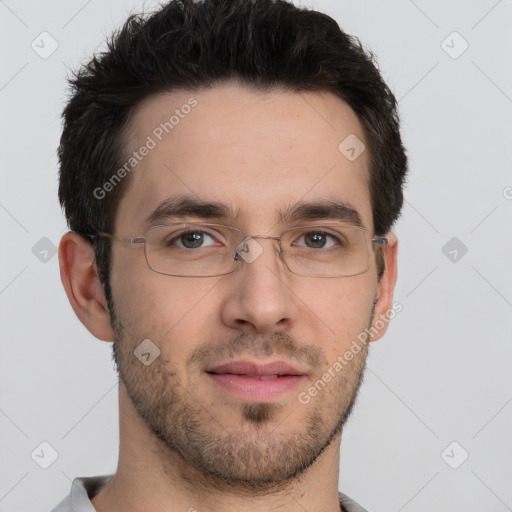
(181, 235)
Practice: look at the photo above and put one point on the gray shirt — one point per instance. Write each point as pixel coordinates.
(85, 488)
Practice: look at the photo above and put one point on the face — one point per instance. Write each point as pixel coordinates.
(258, 156)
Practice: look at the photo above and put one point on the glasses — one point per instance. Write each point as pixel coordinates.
(209, 250)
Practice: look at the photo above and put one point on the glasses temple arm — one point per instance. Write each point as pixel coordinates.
(381, 240)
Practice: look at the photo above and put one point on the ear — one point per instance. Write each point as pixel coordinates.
(384, 310)
(78, 273)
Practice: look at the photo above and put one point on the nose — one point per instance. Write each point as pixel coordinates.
(259, 299)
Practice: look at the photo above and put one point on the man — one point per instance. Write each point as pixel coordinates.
(230, 170)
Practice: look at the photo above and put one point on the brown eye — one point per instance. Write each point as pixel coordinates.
(315, 240)
(318, 240)
(195, 239)
(192, 240)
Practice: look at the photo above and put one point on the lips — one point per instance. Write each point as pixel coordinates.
(255, 370)
(256, 381)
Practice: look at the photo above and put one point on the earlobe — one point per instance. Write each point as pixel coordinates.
(383, 309)
(79, 276)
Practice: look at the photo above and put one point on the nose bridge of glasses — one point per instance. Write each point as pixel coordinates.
(249, 249)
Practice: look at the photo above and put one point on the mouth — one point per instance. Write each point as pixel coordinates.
(256, 381)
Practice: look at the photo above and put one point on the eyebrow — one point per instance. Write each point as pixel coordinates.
(187, 206)
(176, 208)
(339, 211)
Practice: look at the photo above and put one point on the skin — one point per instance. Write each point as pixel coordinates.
(185, 443)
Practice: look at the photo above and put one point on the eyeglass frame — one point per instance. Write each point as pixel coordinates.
(380, 240)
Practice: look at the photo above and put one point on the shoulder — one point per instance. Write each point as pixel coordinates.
(349, 505)
(82, 490)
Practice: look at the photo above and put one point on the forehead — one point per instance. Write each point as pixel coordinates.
(258, 154)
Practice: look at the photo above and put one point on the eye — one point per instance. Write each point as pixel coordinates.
(319, 240)
(193, 240)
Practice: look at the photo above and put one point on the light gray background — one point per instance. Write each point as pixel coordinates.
(442, 372)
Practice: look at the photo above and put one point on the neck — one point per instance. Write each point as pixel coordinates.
(151, 476)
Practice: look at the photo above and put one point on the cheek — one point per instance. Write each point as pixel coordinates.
(345, 308)
(160, 307)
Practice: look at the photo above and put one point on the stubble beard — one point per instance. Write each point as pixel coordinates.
(257, 458)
